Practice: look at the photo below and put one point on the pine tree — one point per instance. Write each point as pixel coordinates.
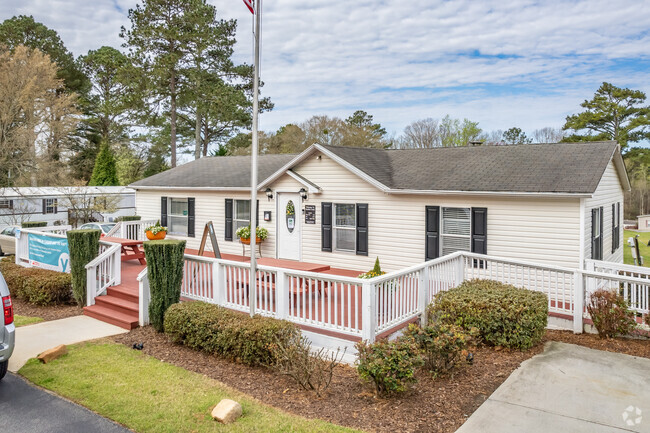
(105, 171)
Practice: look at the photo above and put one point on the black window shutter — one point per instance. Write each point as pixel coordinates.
(600, 239)
(11, 204)
(432, 233)
(163, 211)
(190, 217)
(228, 233)
(326, 226)
(618, 225)
(479, 230)
(362, 229)
(596, 250)
(257, 213)
(56, 205)
(44, 206)
(613, 227)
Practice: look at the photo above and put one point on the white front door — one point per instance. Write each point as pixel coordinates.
(288, 225)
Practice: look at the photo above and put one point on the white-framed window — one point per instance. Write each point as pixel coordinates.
(241, 216)
(456, 230)
(50, 205)
(597, 233)
(345, 226)
(6, 204)
(177, 218)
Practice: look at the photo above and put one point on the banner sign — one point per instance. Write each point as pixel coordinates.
(49, 252)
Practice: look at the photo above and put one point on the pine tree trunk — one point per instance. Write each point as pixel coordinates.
(197, 135)
(172, 141)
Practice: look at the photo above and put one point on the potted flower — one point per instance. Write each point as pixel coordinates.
(244, 234)
(374, 272)
(156, 232)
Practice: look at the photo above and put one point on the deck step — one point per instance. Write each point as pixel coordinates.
(112, 316)
(118, 304)
(122, 292)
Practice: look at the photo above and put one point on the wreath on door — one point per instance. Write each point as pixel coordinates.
(291, 216)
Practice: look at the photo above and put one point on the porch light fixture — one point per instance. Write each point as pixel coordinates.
(303, 193)
(269, 194)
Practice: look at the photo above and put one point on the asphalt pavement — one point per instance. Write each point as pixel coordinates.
(25, 408)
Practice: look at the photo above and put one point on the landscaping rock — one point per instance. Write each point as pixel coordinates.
(227, 411)
(53, 353)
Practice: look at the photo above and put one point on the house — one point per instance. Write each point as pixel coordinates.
(62, 205)
(555, 204)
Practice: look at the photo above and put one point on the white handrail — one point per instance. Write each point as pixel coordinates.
(103, 271)
(116, 228)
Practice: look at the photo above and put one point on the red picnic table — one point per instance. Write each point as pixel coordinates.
(292, 264)
(130, 248)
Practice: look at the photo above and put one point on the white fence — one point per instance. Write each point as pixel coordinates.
(133, 230)
(104, 271)
(368, 308)
(633, 282)
(22, 256)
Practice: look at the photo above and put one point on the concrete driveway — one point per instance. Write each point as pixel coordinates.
(569, 388)
(26, 408)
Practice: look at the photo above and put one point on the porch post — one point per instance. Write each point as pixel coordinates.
(117, 260)
(218, 283)
(144, 294)
(423, 295)
(281, 295)
(368, 303)
(91, 282)
(578, 301)
(460, 270)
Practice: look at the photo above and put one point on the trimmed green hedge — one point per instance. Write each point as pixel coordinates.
(504, 314)
(228, 333)
(31, 224)
(128, 218)
(165, 269)
(37, 286)
(84, 247)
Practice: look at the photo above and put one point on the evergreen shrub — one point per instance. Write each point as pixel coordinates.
(231, 334)
(32, 224)
(165, 269)
(504, 314)
(84, 247)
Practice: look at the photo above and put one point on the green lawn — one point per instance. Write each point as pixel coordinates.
(25, 320)
(148, 395)
(644, 238)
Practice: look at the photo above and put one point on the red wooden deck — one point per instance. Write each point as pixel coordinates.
(119, 306)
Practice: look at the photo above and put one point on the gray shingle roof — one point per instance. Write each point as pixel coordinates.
(216, 172)
(548, 168)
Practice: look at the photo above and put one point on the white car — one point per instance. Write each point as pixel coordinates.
(8, 240)
(7, 327)
(103, 227)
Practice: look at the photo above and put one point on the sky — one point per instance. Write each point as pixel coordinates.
(501, 63)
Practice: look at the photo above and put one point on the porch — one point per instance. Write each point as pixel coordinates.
(334, 307)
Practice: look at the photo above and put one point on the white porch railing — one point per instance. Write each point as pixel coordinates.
(134, 230)
(633, 282)
(58, 230)
(22, 243)
(367, 308)
(104, 271)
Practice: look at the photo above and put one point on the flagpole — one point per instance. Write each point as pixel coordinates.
(253, 216)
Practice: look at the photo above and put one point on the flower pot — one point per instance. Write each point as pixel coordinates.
(248, 241)
(158, 236)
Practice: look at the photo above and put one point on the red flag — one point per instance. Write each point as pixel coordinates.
(249, 5)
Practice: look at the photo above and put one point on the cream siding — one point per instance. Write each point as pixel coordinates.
(209, 206)
(540, 229)
(609, 191)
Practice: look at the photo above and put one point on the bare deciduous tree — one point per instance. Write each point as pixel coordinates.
(548, 135)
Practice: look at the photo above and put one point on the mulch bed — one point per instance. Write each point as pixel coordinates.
(52, 312)
(629, 346)
(440, 405)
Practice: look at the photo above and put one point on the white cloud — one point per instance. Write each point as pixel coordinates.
(402, 61)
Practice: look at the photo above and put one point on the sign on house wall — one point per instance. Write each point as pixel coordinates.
(49, 252)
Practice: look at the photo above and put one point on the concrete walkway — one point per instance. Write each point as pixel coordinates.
(569, 388)
(34, 339)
